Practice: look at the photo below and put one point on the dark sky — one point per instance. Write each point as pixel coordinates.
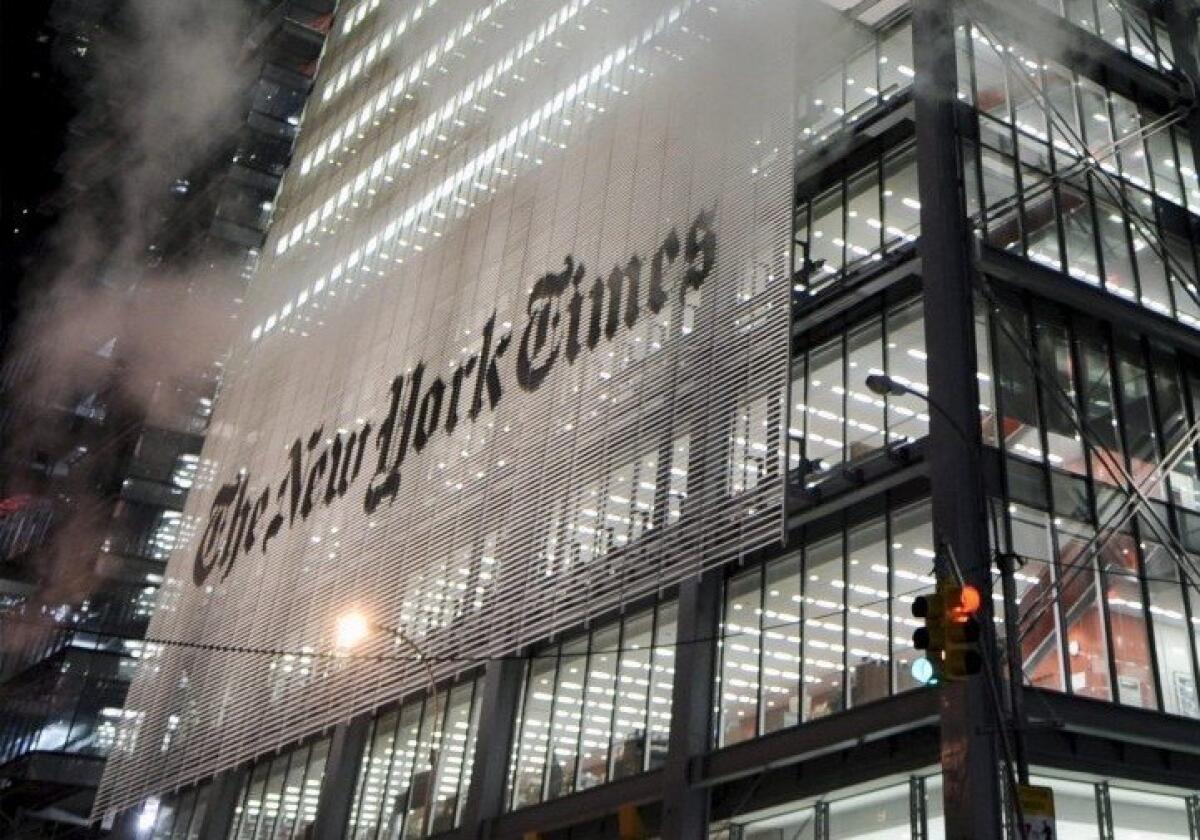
(37, 114)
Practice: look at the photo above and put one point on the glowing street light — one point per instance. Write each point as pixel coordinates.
(350, 630)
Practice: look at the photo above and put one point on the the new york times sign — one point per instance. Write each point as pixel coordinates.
(567, 314)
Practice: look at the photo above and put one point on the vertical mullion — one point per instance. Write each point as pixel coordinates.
(549, 753)
(583, 704)
(1160, 441)
(845, 611)
(891, 590)
(437, 744)
(654, 618)
(1029, 315)
(918, 819)
(406, 805)
(762, 650)
(1104, 822)
(364, 774)
(461, 786)
(520, 730)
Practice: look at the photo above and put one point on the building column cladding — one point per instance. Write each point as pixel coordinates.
(968, 750)
(685, 804)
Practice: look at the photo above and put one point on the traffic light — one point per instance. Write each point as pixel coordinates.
(950, 635)
(963, 632)
(930, 638)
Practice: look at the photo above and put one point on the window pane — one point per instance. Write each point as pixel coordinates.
(534, 737)
(451, 755)
(598, 711)
(1114, 250)
(293, 791)
(781, 674)
(1172, 645)
(824, 646)
(864, 228)
(1127, 623)
(823, 408)
(861, 84)
(1037, 622)
(991, 86)
(1087, 648)
(901, 203)
(864, 410)
(400, 772)
(739, 657)
(882, 813)
(568, 711)
(895, 61)
(662, 683)
(629, 729)
(1138, 814)
(912, 574)
(828, 237)
(1063, 441)
(907, 417)
(867, 612)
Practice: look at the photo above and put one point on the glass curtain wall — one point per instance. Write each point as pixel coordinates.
(857, 222)
(824, 628)
(1123, 25)
(418, 755)
(181, 816)
(1032, 193)
(1106, 601)
(835, 418)
(595, 707)
(279, 798)
(872, 76)
(911, 808)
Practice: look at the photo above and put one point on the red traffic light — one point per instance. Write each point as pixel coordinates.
(969, 602)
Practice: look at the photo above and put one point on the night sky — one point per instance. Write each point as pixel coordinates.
(37, 107)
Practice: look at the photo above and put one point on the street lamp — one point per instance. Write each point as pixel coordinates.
(885, 386)
(351, 629)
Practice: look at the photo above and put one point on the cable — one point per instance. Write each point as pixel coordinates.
(338, 655)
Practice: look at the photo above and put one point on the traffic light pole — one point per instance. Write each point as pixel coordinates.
(1013, 659)
(969, 759)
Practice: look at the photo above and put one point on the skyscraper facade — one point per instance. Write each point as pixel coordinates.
(99, 447)
(617, 378)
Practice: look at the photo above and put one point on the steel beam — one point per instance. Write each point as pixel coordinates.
(341, 770)
(968, 749)
(493, 746)
(685, 801)
(223, 798)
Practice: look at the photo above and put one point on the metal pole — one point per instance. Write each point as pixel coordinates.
(1016, 676)
(969, 757)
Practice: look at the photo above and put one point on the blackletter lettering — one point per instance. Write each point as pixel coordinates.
(574, 313)
(431, 413)
(260, 507)
(542, 309)
(487, 373)
(206, 560)
(456, 382)
(667, 253)
(631, 273)
(701, 242)
(597, 295)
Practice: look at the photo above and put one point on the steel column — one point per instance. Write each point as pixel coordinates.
(223, 799)
(341, 771)
(968, 749)
(493, 746)
(685, 802)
